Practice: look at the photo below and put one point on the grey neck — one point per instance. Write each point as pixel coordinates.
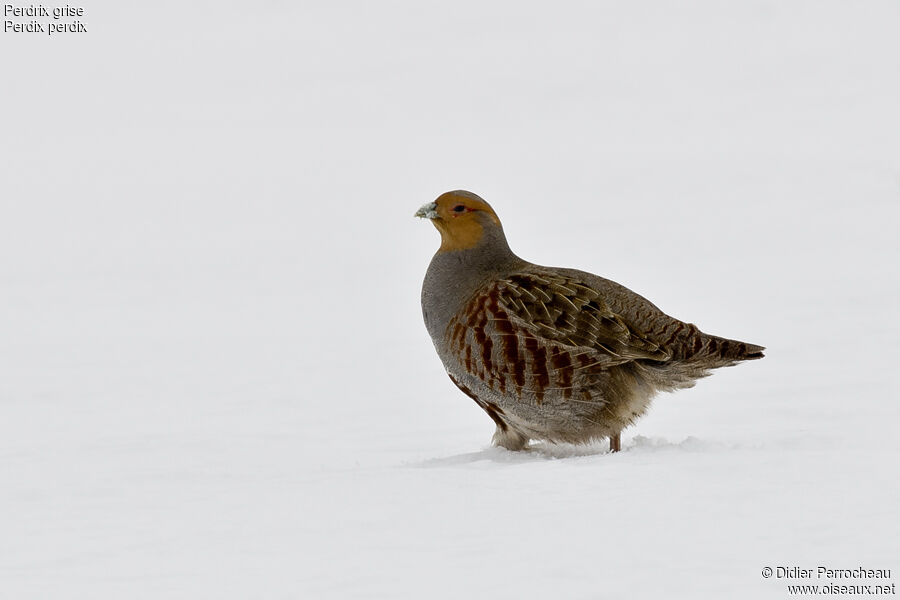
(492, 254)
(455, 275)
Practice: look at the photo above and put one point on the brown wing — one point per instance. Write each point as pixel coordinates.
(560, 308)
(529, 334)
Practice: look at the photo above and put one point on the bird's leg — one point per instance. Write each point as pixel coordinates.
(615, 442)
(509, 438)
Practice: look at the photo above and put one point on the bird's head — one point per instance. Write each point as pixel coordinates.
(462, 217)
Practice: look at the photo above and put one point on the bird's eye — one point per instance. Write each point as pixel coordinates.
(459, 208)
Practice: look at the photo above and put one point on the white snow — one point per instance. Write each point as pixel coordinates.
(214, 377)
(428, 211)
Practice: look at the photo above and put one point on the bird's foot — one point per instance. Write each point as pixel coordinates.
(510, 439)
(615, 442)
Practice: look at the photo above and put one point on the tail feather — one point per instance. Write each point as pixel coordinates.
(695, 357)
(727, 352)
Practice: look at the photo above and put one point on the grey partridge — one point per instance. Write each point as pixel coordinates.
(549, 353)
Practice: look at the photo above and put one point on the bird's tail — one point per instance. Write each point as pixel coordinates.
(730, 350)
(698, 355)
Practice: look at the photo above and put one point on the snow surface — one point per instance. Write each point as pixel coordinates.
(214, 378)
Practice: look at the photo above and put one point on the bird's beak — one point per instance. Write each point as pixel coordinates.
(428, 211)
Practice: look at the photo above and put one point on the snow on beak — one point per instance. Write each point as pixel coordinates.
(428, 211)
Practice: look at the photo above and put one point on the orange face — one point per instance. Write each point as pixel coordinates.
(460, 205)
(460, 217)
